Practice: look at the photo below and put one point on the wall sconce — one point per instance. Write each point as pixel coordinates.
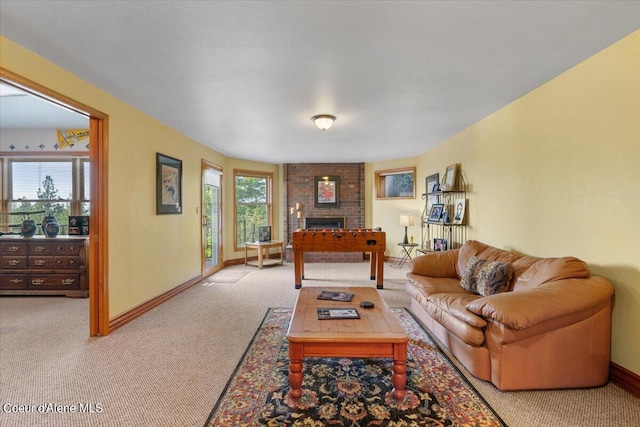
(406, 220)
(323, 121)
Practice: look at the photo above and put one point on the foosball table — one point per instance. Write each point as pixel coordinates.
(340, 240)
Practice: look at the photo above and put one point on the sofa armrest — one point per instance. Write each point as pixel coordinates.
(435, 264)
(523, 309)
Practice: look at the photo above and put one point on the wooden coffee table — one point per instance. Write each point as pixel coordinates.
(376, 334)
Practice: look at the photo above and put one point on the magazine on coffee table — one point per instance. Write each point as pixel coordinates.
(336, 296)
(337, 313)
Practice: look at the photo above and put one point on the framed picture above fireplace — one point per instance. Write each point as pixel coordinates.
(327, 191)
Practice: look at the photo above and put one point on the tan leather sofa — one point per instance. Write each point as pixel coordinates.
(550, 329)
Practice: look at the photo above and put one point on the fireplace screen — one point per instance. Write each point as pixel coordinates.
(325, 222)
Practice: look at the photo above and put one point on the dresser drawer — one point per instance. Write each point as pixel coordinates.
(41, 248)
(41, 262)
(72, 263)
(13, 248)
(66, 248)
(54, 281)
(14, 262)
(13, 281)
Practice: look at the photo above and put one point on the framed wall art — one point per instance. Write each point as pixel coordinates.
(168, 185)
(327, 191)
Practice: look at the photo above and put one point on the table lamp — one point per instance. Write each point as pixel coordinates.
(406, 220)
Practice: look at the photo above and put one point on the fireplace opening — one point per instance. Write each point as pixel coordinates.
(325, 222)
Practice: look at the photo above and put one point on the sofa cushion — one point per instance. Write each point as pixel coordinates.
(474, 248)
(456, 305)
(442, 312)
(486, 277)
(436, 264)
(435, 285)
(545, 270)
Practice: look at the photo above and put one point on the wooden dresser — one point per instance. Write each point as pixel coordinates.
(43, 266)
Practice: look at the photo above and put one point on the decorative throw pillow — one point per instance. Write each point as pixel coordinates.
(486, 277)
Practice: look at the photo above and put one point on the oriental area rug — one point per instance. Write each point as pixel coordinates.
(347, 392)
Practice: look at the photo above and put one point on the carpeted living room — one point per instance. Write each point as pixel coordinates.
(459, 178)
(171, 366)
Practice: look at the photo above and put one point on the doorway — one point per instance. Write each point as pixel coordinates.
(98, 243)
(211, 208)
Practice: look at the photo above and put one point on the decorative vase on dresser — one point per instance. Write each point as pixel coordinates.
(43, 266)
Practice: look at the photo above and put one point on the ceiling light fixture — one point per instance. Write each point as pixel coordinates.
(323, 121)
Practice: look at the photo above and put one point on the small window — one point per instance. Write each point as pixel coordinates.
(396, 183)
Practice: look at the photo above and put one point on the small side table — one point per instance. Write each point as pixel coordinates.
(263, 252)
(405, 255)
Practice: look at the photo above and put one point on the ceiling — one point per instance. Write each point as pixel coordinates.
(22, 110)
(244, 77)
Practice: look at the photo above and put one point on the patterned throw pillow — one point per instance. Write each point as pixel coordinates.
(486, 277)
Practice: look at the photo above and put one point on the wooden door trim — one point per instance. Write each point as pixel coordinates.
(98, 233)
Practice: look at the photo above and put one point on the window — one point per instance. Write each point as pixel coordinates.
(57, 186)
(396, 183)
(253, 195)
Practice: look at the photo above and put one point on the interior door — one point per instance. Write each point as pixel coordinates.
(211, 218)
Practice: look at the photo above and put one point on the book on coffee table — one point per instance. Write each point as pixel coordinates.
(337, 313)
(336, 296)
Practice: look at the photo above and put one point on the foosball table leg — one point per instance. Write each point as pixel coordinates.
(373, 263)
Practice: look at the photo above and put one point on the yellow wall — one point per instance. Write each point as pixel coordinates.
(148, 253)
(557, 173)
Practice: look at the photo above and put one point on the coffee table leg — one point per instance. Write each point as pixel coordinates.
(399, 377)
(295, 370)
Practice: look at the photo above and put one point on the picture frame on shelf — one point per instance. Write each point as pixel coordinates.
(168, 185)
(79, 225)
(440, 245)
(451, 177)
(435, 213)
(264, 233)
(432, 183)
(459, 208)
(327, 191)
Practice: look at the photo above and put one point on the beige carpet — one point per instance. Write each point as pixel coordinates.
(169, 367)
(226, 276)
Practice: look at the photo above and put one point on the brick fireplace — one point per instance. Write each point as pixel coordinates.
(299, 183)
